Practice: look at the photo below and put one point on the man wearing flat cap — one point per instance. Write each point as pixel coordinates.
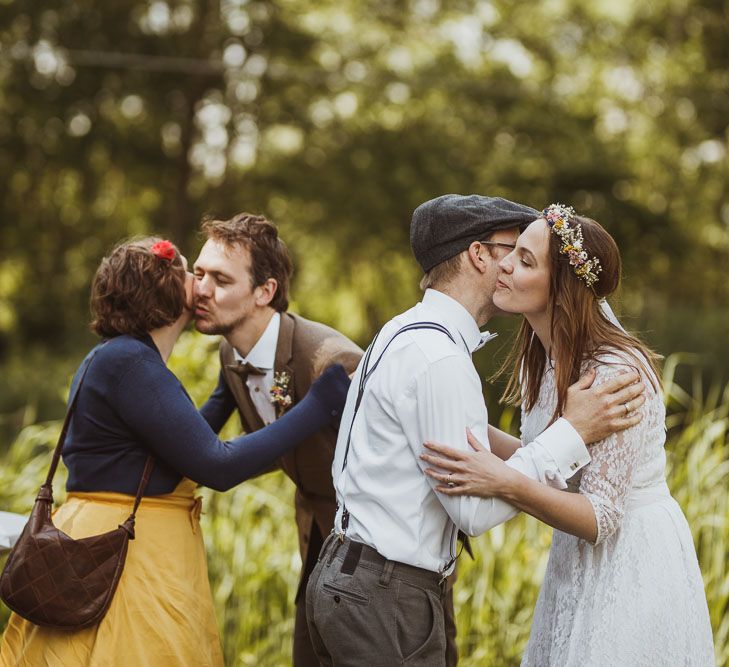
(377, 595)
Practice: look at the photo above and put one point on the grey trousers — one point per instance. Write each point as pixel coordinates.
(366, 611)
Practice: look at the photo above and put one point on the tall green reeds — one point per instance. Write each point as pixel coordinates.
(252, 545)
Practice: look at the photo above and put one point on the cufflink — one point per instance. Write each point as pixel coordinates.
(574, 466)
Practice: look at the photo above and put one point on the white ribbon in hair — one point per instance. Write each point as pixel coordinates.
(608, 312)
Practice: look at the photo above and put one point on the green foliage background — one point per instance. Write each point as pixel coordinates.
(336, 118)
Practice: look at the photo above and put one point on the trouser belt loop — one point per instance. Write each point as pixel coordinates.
(333, 550)
(387, 573)
(443, 584)
(325, 546)
(351, 560)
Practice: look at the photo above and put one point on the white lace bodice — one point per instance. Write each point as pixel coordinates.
(626, 461)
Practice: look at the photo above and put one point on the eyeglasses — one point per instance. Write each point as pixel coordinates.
(496, 244)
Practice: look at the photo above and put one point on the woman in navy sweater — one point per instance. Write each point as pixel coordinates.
(130, 406)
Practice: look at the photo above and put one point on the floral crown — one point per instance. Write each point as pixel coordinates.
(558, 218)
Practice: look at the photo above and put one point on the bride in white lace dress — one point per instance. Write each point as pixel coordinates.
(623, 585)
(635, 595)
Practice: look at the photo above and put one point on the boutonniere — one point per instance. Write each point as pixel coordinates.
(280, 391)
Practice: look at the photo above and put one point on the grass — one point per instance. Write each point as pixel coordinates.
(252, 546)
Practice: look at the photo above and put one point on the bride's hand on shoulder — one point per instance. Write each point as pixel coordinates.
(596, 412)
(466, 473)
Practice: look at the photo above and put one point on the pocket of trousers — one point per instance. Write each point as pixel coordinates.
(349, 595)
(418, 620)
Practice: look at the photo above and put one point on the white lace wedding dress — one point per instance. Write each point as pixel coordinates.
(636, 596)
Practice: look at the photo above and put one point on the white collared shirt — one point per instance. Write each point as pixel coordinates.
(263, 356)
(427, 388)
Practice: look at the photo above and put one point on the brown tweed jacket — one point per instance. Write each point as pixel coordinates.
(304, 350)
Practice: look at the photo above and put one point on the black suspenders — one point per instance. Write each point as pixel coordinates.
(365, 375)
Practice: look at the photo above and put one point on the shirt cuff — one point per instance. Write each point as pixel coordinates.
(565, 446)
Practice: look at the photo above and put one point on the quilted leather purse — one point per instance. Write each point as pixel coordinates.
(53, 580)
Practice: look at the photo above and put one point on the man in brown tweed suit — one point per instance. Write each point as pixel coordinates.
(269, 359)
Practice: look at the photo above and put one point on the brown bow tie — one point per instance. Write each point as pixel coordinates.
(244, 369)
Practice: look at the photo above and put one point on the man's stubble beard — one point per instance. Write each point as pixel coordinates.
(488, 308)
(219, 328)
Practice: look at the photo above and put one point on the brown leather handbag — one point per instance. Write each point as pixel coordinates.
(53, 580)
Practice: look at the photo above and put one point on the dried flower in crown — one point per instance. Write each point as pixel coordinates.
(559, 218)
(163, 250)
(280, 391)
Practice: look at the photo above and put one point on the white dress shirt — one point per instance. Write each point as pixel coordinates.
(263, 356)
(426, 388)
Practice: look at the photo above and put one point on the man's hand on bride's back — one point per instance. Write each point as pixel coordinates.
(596, 412)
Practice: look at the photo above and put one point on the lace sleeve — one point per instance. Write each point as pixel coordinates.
(607, 479)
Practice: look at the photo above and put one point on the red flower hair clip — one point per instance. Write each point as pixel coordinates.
(163, 250)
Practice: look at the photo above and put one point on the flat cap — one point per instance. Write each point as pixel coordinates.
(445, 226)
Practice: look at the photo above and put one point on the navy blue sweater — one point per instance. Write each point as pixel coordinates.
(131, 405)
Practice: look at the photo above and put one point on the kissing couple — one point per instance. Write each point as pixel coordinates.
(623, 585)
(133, 429)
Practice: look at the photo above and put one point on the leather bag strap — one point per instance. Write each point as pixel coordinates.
(66, 422)
(46, 491)
(128, 525)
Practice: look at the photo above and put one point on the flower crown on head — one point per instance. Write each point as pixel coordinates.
(163, 250)
(558, 218)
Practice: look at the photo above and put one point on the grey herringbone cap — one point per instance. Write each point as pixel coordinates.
(447, 225)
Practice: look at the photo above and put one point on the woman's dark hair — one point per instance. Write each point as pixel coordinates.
(135, 291)
(578, 323)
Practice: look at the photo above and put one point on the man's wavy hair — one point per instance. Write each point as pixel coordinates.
(134, 291)
(270, 257)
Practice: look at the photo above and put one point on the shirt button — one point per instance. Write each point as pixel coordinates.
(257, 389)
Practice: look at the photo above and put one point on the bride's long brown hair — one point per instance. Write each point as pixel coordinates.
(578, 325)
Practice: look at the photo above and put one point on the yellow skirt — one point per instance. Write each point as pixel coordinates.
(162, 612)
